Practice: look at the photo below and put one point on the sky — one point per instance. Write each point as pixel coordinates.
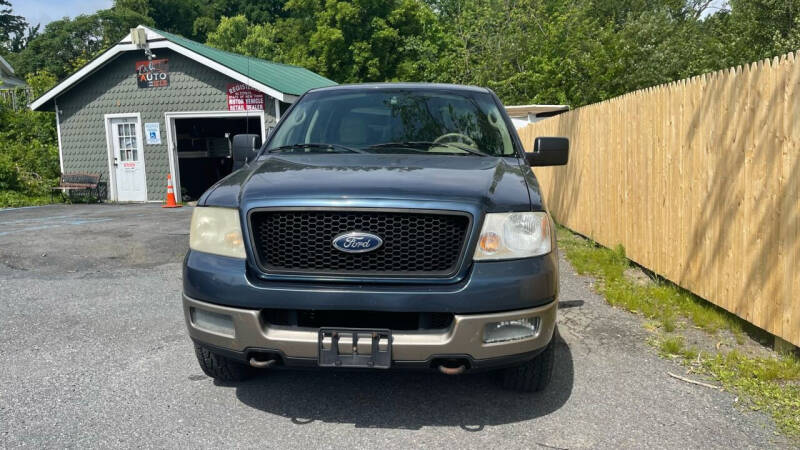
(46, 11)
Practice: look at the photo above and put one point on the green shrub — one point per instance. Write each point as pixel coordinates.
(28, 156)
(9, 177)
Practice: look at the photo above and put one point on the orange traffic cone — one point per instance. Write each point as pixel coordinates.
(170, 195)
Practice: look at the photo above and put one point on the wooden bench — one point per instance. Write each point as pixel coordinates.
(87, 183)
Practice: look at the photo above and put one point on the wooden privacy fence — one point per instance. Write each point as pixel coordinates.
(699, 180)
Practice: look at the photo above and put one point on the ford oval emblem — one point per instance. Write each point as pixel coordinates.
(356, 242)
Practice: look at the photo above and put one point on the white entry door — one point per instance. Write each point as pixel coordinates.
(128, 160)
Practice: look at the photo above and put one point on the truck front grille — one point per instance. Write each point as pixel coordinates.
(414, 243)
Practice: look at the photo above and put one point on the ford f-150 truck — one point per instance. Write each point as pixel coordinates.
(379, 226)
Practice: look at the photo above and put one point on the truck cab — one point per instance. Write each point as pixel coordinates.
(380, 226)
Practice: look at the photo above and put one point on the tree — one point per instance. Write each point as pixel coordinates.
(544, 51)
(196, 18)
(28, 146)
(256, 11)
(40, 82)
(12, 27)
(175, 16)
(539, 51)
(231, 34)
(527, 51)
(754, 29)
(357, 41)
(139, 6)
(65, 43)
(20, 40)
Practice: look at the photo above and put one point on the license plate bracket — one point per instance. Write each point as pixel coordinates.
(354, 347)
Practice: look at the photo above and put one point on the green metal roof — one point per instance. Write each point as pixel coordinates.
(285, 78)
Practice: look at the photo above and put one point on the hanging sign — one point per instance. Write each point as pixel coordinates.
(150, 74)
(244, 98)
(152, 132)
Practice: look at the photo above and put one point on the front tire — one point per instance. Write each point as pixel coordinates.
(221, 368)
(534, 375)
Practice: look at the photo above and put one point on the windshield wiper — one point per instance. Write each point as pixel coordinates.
(463, 148)
(315, 145)
(407, 145)
(416, 145)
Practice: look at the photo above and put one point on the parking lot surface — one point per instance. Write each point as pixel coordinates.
(95, 354)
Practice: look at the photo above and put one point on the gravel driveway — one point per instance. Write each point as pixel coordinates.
(95, 354)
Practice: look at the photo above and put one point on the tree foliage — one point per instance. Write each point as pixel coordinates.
(196, 18)
(528, 51)
(362, 40)
(12, 26)
(67, 43)
(545, 51)
(28, 145)
(755, 29)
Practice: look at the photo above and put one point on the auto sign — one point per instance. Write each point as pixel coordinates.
(150, 74)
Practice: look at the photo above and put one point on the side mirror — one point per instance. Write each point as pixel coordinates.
(270, 130)
(245, 148)
(549, 151)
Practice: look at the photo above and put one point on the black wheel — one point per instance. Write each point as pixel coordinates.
(220, 367)
(534, 375)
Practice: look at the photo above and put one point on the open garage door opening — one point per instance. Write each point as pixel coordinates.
(203, 149)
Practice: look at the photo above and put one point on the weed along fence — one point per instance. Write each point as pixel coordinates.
(699, 180)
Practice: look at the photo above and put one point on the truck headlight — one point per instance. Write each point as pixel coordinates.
(514, 235)
(217, 231)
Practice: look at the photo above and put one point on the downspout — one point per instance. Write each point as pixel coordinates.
(58, 133)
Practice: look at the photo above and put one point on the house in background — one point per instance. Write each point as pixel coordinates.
(522, 115)
(12, 88)
(157, 104)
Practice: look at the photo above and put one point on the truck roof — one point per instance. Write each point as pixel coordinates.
(421, 86)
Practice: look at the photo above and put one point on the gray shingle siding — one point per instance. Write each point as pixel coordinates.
(112, 89)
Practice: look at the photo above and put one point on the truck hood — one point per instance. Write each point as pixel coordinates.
(498, 184)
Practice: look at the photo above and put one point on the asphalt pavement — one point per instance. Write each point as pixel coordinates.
(94, 354)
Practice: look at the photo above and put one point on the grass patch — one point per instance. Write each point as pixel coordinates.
(771, 384)
(767, 384)
(660, 301)
(14, 199)
(672, 345)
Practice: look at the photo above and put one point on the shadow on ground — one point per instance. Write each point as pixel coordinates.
(404, 400)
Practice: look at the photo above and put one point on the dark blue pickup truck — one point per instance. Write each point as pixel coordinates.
(380, 226)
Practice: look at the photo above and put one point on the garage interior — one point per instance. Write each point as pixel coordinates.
(204, 150)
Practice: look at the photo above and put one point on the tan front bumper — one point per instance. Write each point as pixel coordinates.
(464, 337)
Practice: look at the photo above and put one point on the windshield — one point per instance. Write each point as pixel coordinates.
(431, 121)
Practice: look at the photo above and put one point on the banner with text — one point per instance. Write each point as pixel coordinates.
(241, 97)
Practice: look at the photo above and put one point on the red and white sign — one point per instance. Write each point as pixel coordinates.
(241, 97)
(151, 74)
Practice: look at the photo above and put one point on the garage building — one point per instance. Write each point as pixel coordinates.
(158, 104)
